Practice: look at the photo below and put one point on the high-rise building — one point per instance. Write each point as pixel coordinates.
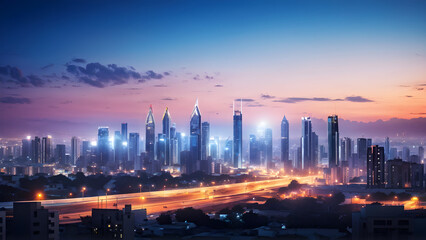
(36, 150)
(26, 148)
(405, 154)
(166, 134)
(161, 148)
(314, 150)
(393, 153)
(237, 150)
(124, 135)
(254, 151)
(46, 149)
(103, 146)
(306, 144)
(346, 149)
(179, 140)
(268, 147)
(133, 146)
(60, 154)
(387, 149)
(174, 146)
(118, 149)
(124, 144)
(285, 142)
(113, 223)
(333, 141)
(195, 140)
(421, 153)
(227, 152)
(362, 153)
(150, 135)
(214, 149)
(205, 140)
(75, 150)
(375, 167)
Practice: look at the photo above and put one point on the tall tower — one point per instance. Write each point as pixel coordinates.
(375, 167)
(150, 135)
(46, 149)
(195, 140)
(103, 146)
(306, 144)
(238, 138)
(166, 131)
(387, 148)
(285, 142)
(333, 141)
(75, 150)
(205, 140)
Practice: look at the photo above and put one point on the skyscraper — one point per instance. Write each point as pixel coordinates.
(421, 153)
(254, 151)
(306, 144)
(333, 141)
(161, 148)
(166, 131)
(375, 167)
(75, 150)
(237, 150)
(314, 150)
(60, 154)
(405, 154)
(268, 147)
(387, 149)
(150, 135)
(103, 146)
(205, 139)
(124, 144)
(174, 148)
(46, 149)
(227, 154)
(346, 149)
(118, 149)
(195, 140)
(133, 146)
(362, 153)
(285, 142)
(26, 148)
(36, 150)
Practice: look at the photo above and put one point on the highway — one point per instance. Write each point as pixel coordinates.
(156, 202)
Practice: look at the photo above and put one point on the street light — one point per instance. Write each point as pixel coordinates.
(140, 188)
(82, 191)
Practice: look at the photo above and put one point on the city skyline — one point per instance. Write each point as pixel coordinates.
(364, 66)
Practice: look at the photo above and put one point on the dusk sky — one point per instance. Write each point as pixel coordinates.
(68, 67)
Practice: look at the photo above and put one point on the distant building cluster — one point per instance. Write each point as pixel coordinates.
(340, 161)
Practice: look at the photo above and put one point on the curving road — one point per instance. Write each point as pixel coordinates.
(156, 202)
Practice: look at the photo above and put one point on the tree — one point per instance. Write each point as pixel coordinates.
(253, 220)
(190, 214)
(294, 186)
(164, 219)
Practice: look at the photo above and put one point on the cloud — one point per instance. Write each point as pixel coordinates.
(152, 75)
(218, 85)
(79, 60)
(209, 77)
(66, 102)
(160, 85)
(266, 96)
(420, 89)
(98, 75)
(15, 75)
(166, 73)
(245, 99)
(322, 99)
(255, 104)
(358, 99)
(15, 100)
(197, 77)
(420, 113)
(47, 66)
(409, 96)
(168, 99)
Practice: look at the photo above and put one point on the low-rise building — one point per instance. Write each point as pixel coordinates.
(113, 223)
(375, 221)
(31, 221)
